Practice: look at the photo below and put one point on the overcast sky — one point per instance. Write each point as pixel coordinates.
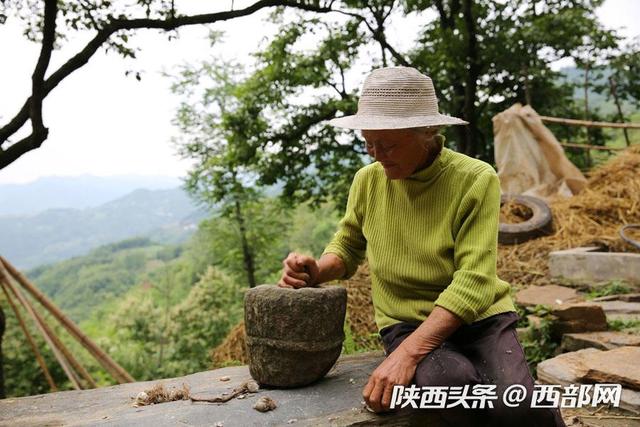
(103, 123)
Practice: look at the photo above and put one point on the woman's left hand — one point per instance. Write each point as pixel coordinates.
(397, 369)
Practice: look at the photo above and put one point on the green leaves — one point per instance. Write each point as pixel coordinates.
(258, 126)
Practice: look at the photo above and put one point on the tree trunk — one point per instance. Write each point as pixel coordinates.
(246, 250)
(471, 81)
(613, 86)
(586, 108)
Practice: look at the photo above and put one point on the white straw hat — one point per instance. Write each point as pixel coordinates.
(396, 98)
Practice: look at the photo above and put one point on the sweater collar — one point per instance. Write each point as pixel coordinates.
(434, 168)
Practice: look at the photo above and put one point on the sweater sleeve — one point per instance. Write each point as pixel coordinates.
(473, 288)
(348, 242)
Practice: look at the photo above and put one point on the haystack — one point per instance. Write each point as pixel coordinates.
(591, 218)
(232, 349)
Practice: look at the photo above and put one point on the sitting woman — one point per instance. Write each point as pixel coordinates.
(427, 218)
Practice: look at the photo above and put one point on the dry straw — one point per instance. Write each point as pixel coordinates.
(591, 218)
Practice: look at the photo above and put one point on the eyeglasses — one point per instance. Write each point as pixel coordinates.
(380, 149)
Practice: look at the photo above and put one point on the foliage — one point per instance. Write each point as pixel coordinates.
(80, 284)
(355, 343)
(22, 374)
(154, 340)
(203, 319)
(537, 342)
(230, 130)
(160, 309)
(265, 229)
(615, 287)
(622, 324)
(482, 55)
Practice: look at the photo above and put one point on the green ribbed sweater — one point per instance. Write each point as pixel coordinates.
(430, 239)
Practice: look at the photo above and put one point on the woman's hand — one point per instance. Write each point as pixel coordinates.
(299, 271)
(398, 368)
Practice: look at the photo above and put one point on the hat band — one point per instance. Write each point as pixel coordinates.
(397, 107)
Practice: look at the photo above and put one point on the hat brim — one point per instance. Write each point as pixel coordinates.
(386, 122)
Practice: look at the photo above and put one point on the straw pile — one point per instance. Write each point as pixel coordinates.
(361, 320)
(513, 212)
(591, 218)
(360, 309)
(232, 349)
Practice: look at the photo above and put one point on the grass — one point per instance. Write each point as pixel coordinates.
(620, 325)
(355, 343)
(537, 342)
(615, 287)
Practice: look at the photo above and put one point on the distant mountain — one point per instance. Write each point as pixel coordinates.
(74, 192)
(165, 216)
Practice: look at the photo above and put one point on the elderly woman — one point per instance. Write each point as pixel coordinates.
(427, 218)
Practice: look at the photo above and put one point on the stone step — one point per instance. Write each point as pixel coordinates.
(619, 297)
(620, 310)
(605, 340)
(592, 365)
(587, 265)
(551, 295)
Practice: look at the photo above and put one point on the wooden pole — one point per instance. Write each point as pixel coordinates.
(613, 87)
(574, 122)
(591, 147)
(56, 352)
(32, 344)
(118, 372)
(63, 348)
(586, 106)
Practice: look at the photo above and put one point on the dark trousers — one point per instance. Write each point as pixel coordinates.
(484, 352)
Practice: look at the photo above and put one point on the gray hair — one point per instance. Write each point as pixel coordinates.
(425, 129)
(432, 144)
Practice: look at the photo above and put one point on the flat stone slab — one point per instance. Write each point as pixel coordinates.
(618, 366)
(620, 310)
(586, 265)
(578, 317)
(605, 340)
(573, 367)
(335, 400)
(551, 295)
(604, 417)
(619, 297)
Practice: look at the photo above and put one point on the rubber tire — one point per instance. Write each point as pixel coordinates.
(538, 225)
(628, 239)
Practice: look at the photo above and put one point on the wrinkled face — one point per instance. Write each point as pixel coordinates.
(400, 151)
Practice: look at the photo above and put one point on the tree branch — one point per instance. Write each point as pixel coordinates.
(43, 87)
(33, 108)
(37, 79)
(379, 37)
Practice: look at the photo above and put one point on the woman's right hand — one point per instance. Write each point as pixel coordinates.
(299, 271)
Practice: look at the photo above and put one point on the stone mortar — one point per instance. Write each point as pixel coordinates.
(294, 336)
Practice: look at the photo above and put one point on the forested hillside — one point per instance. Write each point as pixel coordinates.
(159, 309)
